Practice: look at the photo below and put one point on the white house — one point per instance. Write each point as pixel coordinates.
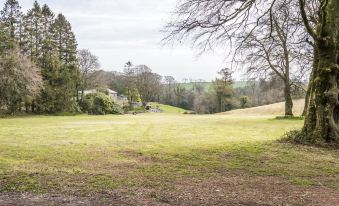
(112, 94)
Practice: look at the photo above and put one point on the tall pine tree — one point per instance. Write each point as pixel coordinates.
(64, 39)
(59, 64)
(11, 18)
(33, 31)
(47, 43)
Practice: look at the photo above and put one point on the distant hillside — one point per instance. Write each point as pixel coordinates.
(168, 108)
(207, 85)
(272, 109)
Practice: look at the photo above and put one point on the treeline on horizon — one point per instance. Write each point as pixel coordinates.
(139, 83)
(42, 71)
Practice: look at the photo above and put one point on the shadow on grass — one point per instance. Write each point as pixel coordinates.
(300, 165)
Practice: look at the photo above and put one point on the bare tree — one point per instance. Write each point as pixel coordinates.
(140, 82)
(275, 47)
(210, 23)
(224, 90)
(215, 23)
(147, 83)
(19, 78)
(88, 63)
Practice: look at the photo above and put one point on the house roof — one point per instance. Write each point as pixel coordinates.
(111, 91)
(94, 91)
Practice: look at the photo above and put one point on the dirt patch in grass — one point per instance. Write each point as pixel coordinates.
(249, 190)
(230, 190)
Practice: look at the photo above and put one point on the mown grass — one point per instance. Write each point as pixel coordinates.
(86, 154)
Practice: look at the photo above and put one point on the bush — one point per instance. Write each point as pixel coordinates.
(117, 109)
(245, 102)
(139, 110)
(100, 104)
(74, 107)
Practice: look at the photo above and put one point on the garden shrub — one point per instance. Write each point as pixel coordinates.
(100, 104)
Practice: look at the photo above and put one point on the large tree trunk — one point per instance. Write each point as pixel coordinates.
(321, 122)
(311, 81)
(308, 93)
(308, 96)
(288, 100)
(321, 119)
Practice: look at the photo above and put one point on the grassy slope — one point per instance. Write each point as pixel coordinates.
(168, 108)
(86, 154)
(272, 109)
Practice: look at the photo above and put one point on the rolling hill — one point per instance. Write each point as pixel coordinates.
(168, 108)
(272, 109)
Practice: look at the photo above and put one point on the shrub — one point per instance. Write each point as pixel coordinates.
(117, 109)
(100, 104)
(139, 110)
(245, 102)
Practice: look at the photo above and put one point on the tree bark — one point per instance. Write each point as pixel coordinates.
(311, 82)
(307, 98)
(321, 119)
(288, 100)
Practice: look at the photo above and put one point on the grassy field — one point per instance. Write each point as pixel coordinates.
(168, 108)
(165, 156)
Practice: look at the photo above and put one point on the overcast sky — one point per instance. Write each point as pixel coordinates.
(121, 30)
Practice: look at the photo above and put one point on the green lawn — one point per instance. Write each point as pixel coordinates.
(88, 154)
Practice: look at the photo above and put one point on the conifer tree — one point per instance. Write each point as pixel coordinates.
(59, 64)
(64, 40)
(34, 29)
(46, 44)
(2, 39)
(11, 18)
(50, 43)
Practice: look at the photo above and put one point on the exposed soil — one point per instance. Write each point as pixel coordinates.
(240, 190)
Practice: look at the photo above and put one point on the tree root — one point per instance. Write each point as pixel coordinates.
(300, 137)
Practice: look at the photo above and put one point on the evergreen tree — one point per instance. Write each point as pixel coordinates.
(34, 30)
(59, 64)
(2, 39)
(47, 43)
(11, 18)
(59, 92)
(64, 40)
(50, 43)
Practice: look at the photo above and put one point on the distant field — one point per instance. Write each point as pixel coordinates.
(162, 159)
(207, 85)
(168, 108)
(277, 109)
